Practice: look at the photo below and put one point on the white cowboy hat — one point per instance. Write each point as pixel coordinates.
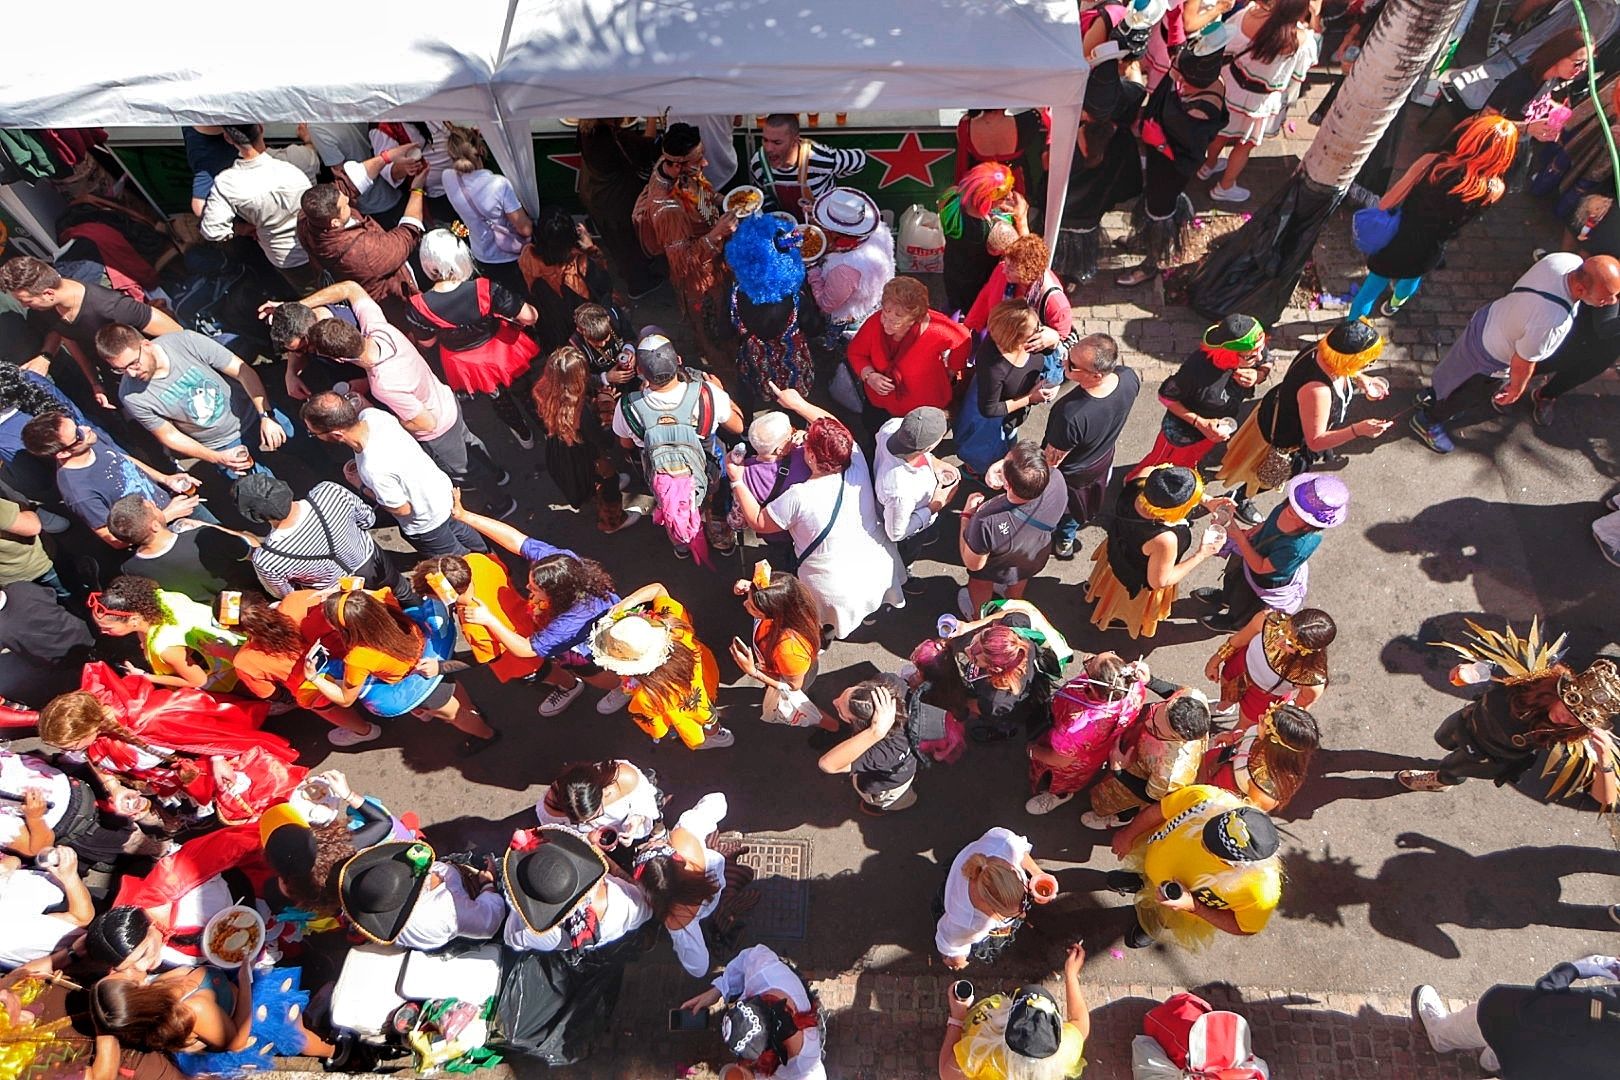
(630, 645)
(847, 212)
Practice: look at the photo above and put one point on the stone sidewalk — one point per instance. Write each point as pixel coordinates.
(888, 1027)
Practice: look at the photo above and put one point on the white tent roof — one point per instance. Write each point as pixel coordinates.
(139, 65)
(418, 59)
(612, 58)
(499, 62)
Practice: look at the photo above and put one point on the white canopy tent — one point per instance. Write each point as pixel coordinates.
(498, 63)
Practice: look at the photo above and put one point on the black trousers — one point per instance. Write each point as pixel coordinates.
(1583, 356)
(1467, 762)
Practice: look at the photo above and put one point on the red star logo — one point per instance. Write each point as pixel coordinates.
(909, 161)
(570, 161)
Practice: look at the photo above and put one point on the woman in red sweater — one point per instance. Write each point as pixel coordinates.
(907, 355)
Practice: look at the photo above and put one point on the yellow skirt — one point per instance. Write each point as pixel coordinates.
(1244, 453)
(1140, 613)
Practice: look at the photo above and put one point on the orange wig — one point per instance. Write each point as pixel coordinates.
(1482, 151)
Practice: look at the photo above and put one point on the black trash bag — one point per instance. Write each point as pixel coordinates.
(552, 1004)
(1256, 268)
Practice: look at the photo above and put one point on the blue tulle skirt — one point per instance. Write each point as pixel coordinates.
(278, 1004)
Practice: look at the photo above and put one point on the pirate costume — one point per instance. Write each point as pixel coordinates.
(387, 896)
(1270, 446)
(768, 1004)
(1204, 386)
(571, 929)
(1215, 847)
(1157, 503)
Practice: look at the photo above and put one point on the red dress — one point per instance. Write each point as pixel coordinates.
(489, 366)
(216, 741)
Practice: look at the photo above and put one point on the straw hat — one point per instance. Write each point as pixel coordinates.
(630, 645)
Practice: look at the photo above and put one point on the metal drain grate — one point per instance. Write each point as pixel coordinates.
(781, 868)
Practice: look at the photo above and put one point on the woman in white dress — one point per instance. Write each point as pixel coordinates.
(590, 796)
(1271, 47)
(846, 558)
(684, 878)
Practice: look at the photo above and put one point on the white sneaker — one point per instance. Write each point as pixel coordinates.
(561, 697)
(344, 737)
(1233, 194)
(1092, 820)
(612, 701)
(716, 738)
(1045, 803)
(1207, 171)
(1428, 1007)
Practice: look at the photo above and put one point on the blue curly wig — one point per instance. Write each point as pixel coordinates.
(764, 255)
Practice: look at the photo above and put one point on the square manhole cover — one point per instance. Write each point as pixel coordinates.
(781, 868)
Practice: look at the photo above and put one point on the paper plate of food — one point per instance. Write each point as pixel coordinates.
(785, 218)
(815, 244)
(744, 201)
(233, 936)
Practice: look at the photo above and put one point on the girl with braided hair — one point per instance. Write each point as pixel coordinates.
(148, 744)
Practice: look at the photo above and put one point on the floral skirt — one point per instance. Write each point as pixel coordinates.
(1140, 613)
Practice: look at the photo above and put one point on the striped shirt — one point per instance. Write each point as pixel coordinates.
(827, 166)
(312, 556)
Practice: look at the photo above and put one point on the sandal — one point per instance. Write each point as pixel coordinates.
(1138, 276)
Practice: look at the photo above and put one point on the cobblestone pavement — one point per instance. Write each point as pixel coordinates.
(889, 1027)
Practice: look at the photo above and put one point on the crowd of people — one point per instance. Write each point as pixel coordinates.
(830, 417)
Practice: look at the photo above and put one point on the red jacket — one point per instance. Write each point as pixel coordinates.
(921, 364)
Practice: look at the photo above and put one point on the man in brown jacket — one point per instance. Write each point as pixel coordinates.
(351, 246)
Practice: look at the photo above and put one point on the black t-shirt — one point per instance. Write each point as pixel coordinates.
(1000, 381)
(995, 704)
(202, 563)
(887, 765)
(1206, 390)
(1087, 427)
(34, 626)
(459, 306)
(1017, 537)
(102, 307)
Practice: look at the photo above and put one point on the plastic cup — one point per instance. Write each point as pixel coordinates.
(1471, 674)
(1044, 887)
(1377, 388)
(1226, 426)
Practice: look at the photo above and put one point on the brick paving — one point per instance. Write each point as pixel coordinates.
(888, 1027)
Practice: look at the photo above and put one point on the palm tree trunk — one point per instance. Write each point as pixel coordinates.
(1254, 271)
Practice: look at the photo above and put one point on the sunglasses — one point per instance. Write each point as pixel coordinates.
(102, 611)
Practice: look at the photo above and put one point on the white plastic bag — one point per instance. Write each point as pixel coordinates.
(922, 242)
(1150, 1062)
(794, 708)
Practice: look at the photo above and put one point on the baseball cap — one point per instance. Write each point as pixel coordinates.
(656, 359)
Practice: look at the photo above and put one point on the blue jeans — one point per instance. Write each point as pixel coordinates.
(1374, 287)
(250, 439)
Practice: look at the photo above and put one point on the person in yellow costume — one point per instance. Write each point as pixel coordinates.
(1019, 1036)
(1202, 860)
(670, 677)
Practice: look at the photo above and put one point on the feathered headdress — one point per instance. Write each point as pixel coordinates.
(984, 185)
(764, 256)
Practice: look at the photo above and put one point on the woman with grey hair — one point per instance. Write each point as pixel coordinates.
(775, 464)
(480, 327)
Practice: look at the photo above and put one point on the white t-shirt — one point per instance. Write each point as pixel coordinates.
(396, 468)
(963, 924)
(903, 490)
(444, 912)
(30, 933)
(264, 191)
(670, 398)
(1530, 326)
(481, 197)
(18, 773)
(758, 970)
